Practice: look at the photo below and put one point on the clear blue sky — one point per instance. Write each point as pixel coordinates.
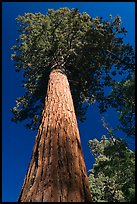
(17, 142)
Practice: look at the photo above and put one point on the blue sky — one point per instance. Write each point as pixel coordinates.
(17, 142)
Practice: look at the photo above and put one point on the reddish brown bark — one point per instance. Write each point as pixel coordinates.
(57, 170)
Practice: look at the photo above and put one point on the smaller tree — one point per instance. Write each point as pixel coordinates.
(112, 178)
(122, 98)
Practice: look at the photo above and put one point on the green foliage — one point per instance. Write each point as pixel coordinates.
(90, 48)
(127, 109)
(112, 178)
(122, 98)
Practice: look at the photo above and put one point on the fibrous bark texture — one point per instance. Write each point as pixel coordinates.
(57, 171)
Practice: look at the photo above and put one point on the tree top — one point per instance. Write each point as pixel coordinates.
(90, 48)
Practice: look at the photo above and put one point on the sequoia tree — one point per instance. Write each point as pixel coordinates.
(65, 55)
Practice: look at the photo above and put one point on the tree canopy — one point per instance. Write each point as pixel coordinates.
(92, 50)
(112, 178)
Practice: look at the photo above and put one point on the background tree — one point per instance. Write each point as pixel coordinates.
(112, 178)
(122, 98)
(68, 44)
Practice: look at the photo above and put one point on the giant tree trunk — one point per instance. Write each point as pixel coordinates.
(57, 170)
